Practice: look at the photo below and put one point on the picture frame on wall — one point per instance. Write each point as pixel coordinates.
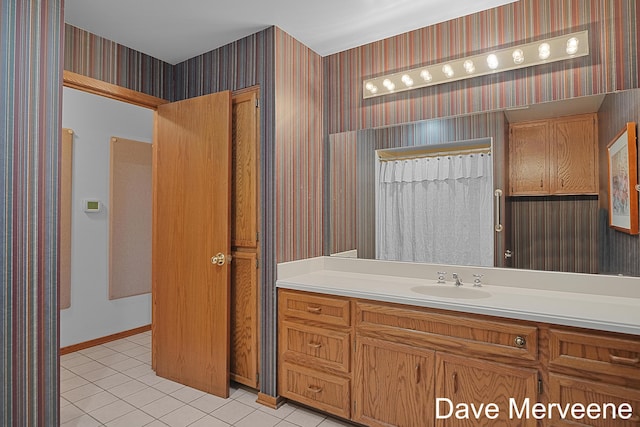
(623, 180)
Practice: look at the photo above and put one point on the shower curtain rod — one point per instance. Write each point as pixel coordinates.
(423, 151)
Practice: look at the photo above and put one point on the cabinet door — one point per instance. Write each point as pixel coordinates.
(393, 384)
(244, 195)
(467, 380)
(528, 154)
(244, 319)
(568, 390)
(574, 155)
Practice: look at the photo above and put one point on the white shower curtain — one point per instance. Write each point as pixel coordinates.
(436, 210)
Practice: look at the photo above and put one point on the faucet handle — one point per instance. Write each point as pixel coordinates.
(477, 280)
(441, 276)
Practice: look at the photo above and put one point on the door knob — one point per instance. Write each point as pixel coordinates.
(220, 259)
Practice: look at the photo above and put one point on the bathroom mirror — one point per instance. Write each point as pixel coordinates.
(561, 233)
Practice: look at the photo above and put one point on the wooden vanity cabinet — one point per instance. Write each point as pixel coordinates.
(393, 384)
(594, 367)
(314, 351)
(407, 357)
(554, 157)
(463, 379)
(383, 364)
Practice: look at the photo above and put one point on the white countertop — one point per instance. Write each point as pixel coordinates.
(607, 303)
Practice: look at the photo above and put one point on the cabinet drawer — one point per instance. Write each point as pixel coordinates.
(326, 392)
(465, 335)
(567, 390)
(333, 310)
(595, 353)
(308, 345)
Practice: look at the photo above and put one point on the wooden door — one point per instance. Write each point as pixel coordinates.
(467, 380)
(393, 384)
(192, 194)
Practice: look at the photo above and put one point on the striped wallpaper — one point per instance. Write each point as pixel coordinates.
(299, 149)
(31, 68)
(612, 64)
(105, 60)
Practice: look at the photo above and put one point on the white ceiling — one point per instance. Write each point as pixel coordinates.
(176, 30)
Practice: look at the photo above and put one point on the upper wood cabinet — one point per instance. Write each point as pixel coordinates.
(557, 156)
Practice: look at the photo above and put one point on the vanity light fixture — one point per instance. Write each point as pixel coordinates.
(526, 55)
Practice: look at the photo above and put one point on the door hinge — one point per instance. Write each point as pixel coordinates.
(257, 263)
(257, 378)
(355, 405)
(539, 386)
(257, 103)
(258, 236)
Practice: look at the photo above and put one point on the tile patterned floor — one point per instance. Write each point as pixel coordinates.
(113, 385)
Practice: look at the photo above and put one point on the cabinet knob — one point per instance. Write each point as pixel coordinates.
(520, 341)
(314, 310)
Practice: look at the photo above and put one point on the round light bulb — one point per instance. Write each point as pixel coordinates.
(369, 86)
(492, 61)
(468, 66)
(518, 56)
(544, 51)
(374, 89)
(386, 83)
(572, 46)
(447, 70)
(426, 76)
(407, 80)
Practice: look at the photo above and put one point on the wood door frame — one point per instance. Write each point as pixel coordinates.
(119, 93)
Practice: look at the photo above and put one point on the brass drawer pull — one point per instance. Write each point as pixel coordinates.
(314, 389)
(314, 344)
(520, 342)
(624, 360)
(314, 310)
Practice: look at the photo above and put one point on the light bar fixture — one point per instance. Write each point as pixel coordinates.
(526, 55)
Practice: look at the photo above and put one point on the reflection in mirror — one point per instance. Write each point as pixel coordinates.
(433, 203)
(559, 232)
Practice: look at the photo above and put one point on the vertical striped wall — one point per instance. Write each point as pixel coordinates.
(557, 233)
(30, 87)
(299, 149)
(612, 64)
(619, 253)
(105, 60)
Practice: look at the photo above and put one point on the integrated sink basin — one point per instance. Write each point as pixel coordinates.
(451, 291)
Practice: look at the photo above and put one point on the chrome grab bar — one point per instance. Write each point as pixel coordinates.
(498, 226)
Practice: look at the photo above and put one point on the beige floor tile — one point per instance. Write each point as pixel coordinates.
(82, 421)
(258, 419)
(188, 394)
(183, 416)
(305, 418)
(81, 392)
(125, 389)
(232, 412)
(161, 407)
(209, 421)
(209, 403)
(144, 397)
(111, 411)
(112, 381)
(135, 418)
(96, 401)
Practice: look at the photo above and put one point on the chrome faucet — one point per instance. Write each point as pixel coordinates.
(457, 279)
